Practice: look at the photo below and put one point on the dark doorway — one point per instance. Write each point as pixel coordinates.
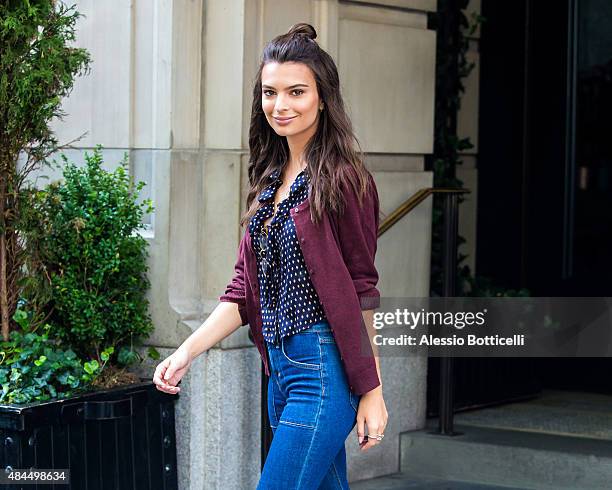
(545, 156)
(592, 260)
(545, 161)
(544, 179)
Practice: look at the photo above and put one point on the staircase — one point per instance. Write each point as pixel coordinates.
(561, 440)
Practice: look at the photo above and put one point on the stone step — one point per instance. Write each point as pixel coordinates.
(561, 413)
(401, 481)
(518, 458)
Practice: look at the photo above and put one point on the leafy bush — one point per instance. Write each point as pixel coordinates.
(35, 368)
(39, 62)
(87, 263)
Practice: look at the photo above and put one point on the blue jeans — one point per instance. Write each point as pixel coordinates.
(311, 411)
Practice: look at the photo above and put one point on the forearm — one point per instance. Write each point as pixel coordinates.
(368, 318)
(222, 322)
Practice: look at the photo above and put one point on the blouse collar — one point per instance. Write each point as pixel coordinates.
(270, 189)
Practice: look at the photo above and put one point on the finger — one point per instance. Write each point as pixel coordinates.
(374, 428)
(172, 390)
(168, 372)
(360, 429)
(170, 369)
(157, 376)
(160, 370)
(371, 442)
(159, 382)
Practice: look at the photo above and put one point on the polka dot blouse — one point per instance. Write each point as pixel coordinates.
(289, 302)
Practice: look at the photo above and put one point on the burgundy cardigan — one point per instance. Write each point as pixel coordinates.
(339, 253)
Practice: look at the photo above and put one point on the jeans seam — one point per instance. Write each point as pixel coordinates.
(351, 398)
(276, 380)
(314, 432)
(286, 422)
(278, 383)
(322, 371)
(337, 475)
(274, 404)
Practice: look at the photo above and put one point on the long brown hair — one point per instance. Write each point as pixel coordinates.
(332, 161)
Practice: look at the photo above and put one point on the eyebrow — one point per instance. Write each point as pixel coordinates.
(292, 86)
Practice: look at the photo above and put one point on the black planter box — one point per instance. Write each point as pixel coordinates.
(116, 439)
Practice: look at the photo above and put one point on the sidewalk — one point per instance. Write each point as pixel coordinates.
(401, 481)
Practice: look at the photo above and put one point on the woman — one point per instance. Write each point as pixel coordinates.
(305, 279)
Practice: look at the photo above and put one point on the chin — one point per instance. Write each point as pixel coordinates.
(282, 131)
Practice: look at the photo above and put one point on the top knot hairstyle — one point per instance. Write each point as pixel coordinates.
(302, 28)
(331, 157)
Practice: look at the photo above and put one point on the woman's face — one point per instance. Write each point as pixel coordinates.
(290, 99)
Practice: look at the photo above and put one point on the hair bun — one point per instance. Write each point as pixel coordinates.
(304, 29)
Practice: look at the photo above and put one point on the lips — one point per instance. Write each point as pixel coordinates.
(284, 119)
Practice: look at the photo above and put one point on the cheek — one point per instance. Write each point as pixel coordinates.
(267, 105)
(307, 106)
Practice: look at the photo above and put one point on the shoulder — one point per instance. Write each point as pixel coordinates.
(360, 208)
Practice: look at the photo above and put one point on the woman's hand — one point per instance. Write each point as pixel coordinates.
(171, 370)
(373, 413)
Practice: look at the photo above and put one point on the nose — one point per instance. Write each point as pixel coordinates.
(280, 105)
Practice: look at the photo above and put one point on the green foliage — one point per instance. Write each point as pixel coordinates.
(88, 263)
(72, 251)
(37, 67)
(35, 368)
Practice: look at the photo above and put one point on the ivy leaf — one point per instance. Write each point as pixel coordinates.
(91, 367)
(40, 361)
(127, 356)
(153, 353)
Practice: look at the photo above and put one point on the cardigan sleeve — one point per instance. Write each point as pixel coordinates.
(235, 290)
(358, 236)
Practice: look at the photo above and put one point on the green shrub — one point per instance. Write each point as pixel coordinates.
(35, 368)
(39, 63)
(87, 262)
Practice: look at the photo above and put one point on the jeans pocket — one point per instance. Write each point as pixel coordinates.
(302, 350)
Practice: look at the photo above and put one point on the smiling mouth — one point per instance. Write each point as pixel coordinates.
(283, 119)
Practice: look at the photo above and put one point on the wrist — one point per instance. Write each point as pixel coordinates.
(375, 391)
(188, 349)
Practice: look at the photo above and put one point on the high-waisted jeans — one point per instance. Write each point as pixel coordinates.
(311, 410)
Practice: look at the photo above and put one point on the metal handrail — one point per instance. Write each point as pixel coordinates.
(412, 202)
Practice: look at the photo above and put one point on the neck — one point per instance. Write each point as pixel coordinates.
(295, 165)
(296, 144)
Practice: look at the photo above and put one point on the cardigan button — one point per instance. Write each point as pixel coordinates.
(303, 240)
(296, 210)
